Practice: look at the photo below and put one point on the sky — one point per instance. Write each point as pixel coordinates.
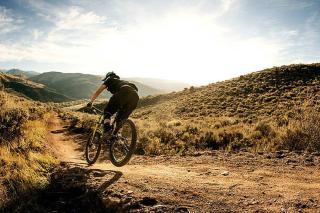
(195, 41)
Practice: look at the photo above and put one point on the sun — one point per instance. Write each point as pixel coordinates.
(187, 46)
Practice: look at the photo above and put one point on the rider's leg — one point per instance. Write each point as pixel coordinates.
(111, 108)
(130, 102)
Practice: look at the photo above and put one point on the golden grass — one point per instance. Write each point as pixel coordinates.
(256, 112)
(24, 159)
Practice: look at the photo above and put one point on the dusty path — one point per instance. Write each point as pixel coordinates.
(207, 182)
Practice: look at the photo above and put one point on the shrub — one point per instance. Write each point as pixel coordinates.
(238, 144)
(3, 99)
(24, 159)
(209, 141)
(304, 133)
(294, 140)
(225, 138)
(154, 147)
(265, 129)
(165, 135)
(11, 122)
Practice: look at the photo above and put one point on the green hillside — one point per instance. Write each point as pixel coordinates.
(29, 89)
(80, 86)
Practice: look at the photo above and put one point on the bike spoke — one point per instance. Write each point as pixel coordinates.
(126, 148)
(123, 145)
(93, 148)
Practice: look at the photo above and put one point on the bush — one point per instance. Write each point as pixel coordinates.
(294, 140)
(265, 129)
(11, 122)
(24, 159)
(165, 135)
(304, 133)
(209, 140)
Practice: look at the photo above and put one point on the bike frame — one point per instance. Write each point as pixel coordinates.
(100, 121)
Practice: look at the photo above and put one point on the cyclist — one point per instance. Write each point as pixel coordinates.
(124, 98)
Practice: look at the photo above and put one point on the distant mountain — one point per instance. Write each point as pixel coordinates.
(161, 84)
(80, 86)
(29, 89)
(22, 73)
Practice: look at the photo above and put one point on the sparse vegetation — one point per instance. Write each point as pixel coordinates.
(303, 133)
(255, 112)
(24, 158)
(275, 109)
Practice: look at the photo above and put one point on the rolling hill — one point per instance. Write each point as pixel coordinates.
(22, 73)
(270, 92)
(272, 109)
(29, 89)
(81, 86)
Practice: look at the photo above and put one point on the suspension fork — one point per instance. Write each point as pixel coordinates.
(96, 127)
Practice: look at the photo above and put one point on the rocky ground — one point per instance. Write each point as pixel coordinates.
(214, 181)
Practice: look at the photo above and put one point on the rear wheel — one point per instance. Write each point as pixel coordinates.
(123, 146)
(93, 147)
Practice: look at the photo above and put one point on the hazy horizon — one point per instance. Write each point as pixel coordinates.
(196, 42)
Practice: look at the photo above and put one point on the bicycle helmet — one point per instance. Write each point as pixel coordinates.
(110, 75)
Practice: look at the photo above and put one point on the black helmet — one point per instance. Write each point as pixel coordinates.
(110, 75)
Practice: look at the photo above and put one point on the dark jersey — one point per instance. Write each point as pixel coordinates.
(113, 85)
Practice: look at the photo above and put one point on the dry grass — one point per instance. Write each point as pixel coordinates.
(256, 112)
(303, 133)
(24, 159)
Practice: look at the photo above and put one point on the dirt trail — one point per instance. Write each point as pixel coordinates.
(206, 182)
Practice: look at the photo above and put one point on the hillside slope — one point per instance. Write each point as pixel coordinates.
(270, 92)
(80, 86)
(25, 158)
(30, 89)
(273, 109)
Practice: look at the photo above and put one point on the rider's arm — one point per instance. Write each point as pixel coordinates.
(98, 92)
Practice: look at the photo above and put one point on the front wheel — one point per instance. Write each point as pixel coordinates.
(123, 146)
(93, 147)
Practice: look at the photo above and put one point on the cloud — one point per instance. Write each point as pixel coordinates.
(72, 39)
(163, 40)
(182, 40)
(36, 34)
(12, 53)
(76, 18)
(76, 27)
(8, 23)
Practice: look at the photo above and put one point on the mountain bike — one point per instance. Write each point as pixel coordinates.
(121, 140)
